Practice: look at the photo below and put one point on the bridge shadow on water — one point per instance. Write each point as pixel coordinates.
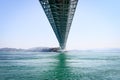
(60, 70)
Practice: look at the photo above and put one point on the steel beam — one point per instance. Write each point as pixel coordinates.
(60, 15)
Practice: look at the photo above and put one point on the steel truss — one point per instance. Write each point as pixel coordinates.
(60, 15)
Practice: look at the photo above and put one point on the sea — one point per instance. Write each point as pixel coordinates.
(69, 65)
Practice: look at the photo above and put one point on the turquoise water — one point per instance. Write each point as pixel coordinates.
(59, 66)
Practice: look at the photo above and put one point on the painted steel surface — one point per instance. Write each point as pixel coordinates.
(60, 15)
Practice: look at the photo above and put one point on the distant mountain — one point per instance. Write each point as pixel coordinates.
(43, 49)
(11, 49)
(36, 49)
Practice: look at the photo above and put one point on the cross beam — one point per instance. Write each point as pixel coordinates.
(60, 15)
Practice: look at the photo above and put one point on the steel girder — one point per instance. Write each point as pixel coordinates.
(60, 15)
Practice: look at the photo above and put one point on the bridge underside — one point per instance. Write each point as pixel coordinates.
(60, 15)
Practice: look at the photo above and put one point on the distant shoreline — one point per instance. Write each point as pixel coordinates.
(36, 49)
(47, 49)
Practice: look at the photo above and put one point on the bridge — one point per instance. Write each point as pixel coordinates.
(60, 14)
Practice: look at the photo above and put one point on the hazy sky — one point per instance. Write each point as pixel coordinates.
(96, 24)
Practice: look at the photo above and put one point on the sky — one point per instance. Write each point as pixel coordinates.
(96, 24)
